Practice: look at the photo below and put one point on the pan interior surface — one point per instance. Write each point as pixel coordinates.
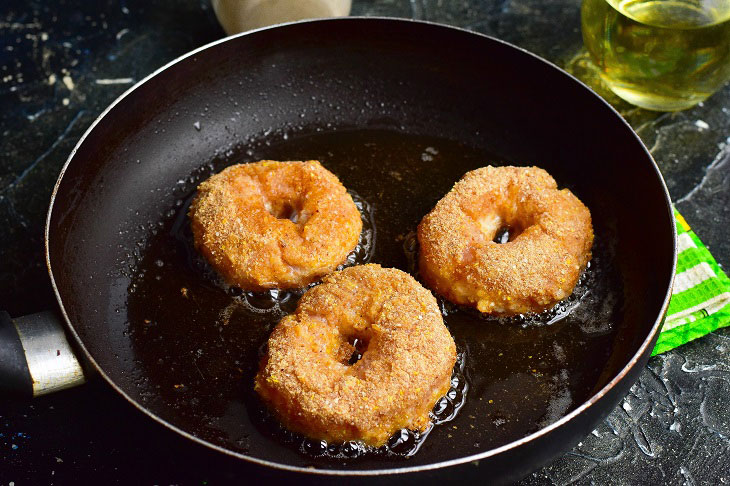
(398, 111)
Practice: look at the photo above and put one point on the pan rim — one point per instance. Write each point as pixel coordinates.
(368, 472)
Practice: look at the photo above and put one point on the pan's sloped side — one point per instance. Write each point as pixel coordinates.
(338, 75)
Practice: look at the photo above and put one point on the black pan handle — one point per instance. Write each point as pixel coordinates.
(35, 356)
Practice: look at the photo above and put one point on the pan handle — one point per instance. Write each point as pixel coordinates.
(35, 356)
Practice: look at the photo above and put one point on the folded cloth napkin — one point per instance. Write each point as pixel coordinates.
(701, 297)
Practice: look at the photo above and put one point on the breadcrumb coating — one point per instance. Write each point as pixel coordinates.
(274, 224)
(531, 272)
(407, 358)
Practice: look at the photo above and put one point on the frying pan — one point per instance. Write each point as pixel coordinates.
(399, 110)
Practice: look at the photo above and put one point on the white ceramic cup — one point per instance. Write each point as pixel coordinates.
(241, 15)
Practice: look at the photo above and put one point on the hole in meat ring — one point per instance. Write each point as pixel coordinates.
(358, 346)
(286, 210)
(502, 235)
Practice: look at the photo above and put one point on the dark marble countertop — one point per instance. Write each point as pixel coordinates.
(63, 62)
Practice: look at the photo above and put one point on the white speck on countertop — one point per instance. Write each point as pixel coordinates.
(68, 82)
(115, 81)
(702, 125)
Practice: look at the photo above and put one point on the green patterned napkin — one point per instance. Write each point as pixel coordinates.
(701, 296)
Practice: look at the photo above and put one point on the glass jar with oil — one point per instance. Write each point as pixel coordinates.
(662, 55)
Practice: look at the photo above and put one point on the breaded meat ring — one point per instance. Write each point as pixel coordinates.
(551, 236)
(407, 359)
(273, 224)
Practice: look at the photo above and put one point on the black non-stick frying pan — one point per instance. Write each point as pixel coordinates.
(399, 110)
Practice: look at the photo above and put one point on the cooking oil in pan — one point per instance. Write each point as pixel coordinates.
(198, 343)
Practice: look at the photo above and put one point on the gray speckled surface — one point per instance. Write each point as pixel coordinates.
(62, 63)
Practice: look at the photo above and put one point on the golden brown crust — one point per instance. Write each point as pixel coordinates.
(406, 368)
(235, 224)
(541, 266)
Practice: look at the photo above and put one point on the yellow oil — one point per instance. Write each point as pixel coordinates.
(659, 54)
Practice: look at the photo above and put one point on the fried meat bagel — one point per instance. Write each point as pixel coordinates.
(407, 358)
(273, 224)
(550, 242)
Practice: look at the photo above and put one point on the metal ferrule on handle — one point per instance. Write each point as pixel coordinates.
(35, 356)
